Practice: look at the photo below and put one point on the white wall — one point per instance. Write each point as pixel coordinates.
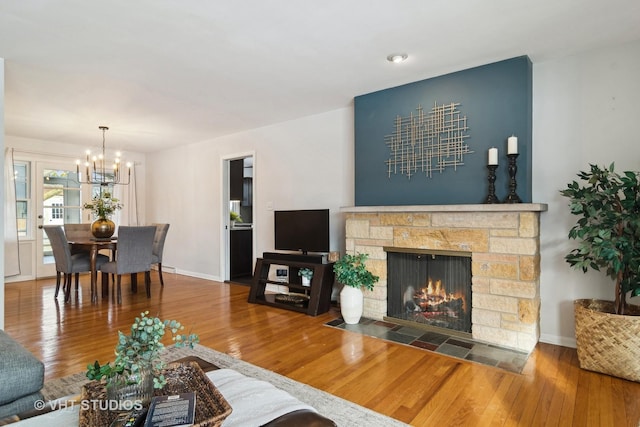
(2, 191)
(301, 164)
(585, 110)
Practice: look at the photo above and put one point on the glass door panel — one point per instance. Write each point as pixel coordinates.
(59, 202)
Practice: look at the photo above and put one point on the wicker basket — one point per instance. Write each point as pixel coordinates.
(211, 406)
(608, 343)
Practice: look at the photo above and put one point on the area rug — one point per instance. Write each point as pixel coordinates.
(343, 412)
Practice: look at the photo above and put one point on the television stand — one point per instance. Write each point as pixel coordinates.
(317, 296)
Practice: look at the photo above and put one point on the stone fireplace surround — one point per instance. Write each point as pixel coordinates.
(504, 241)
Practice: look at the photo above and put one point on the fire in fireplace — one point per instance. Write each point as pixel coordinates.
(430, 288)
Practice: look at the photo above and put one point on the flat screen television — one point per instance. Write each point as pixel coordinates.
(302, 230)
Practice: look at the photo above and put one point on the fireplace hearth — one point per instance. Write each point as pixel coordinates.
(429, 288)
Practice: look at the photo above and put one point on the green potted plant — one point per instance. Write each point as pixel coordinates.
(137, 368)
(306, 274)
(234, 217)
(607, 205)
(103, 206)
(351, 271)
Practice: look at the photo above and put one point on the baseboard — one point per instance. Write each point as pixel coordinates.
(197, 275)
(558, 340)
(165, 269)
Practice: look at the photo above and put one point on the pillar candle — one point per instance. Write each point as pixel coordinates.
(493, 156)
(512, 145)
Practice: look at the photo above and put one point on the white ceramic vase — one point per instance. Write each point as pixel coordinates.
(351, 304)
(306, 281)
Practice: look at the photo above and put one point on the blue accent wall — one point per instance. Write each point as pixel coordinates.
(497, 101)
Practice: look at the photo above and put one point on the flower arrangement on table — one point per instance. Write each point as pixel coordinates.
(140, 351)
(104, 205)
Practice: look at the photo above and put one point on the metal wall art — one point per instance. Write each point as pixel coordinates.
(427, 142)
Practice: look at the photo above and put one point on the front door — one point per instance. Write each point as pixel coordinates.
(59, 201)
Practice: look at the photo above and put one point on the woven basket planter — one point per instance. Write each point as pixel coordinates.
(608, 343)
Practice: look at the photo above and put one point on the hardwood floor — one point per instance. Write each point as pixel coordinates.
(409, 384)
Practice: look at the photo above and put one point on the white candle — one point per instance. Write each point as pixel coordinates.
(512, 145)
(493, 156)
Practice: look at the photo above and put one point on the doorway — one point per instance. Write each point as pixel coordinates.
(59, 201)
(239, 219)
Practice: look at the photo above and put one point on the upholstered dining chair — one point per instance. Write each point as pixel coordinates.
(158, 247)
(67, 263)
(75, 232)
(133, 256)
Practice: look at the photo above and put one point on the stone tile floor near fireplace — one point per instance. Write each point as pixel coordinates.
(450, 345)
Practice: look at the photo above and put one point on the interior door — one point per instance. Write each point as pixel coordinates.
(59, 200)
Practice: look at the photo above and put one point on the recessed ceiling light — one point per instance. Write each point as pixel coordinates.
(397, 58)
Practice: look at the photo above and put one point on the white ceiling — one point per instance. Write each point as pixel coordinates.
(162, 73)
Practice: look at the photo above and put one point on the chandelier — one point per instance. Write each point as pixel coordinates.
(97, 172)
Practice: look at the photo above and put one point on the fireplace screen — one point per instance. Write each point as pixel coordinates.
(429, 288)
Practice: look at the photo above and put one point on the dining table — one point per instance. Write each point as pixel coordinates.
(93, 246)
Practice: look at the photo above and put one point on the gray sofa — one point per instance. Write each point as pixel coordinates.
(21, 377)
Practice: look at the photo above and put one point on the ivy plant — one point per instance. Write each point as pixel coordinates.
(140, 350)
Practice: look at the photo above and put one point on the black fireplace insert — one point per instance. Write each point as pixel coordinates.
(430, 288)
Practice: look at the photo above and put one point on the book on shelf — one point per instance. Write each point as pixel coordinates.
(177, 410)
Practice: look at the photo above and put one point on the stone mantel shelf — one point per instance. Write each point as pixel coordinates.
(506, 207)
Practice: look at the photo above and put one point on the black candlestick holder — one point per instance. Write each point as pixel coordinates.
(512, 197)
(491, 197)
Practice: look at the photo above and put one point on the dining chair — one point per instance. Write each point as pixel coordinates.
(67, 263)
(133, 256)
(158, 247)
(76, 232)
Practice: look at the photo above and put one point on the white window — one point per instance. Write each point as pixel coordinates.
(23, 196)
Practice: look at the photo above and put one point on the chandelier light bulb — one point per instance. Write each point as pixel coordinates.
(96, 173)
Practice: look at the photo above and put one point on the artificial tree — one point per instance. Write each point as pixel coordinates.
(608, 228)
